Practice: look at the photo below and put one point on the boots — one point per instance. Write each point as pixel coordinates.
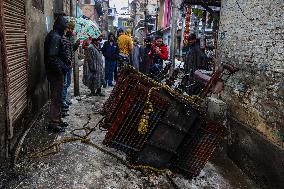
(56, 127)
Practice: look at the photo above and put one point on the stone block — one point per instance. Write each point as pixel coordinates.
(216, 109)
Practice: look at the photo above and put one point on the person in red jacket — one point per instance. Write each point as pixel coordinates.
(159, 52)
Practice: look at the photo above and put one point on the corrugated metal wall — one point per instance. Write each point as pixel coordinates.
(15, 47)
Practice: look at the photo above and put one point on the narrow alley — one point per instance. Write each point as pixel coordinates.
(141, 94)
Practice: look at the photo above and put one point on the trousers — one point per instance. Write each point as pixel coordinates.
(67, 84)
(109, 70)
(56, 88)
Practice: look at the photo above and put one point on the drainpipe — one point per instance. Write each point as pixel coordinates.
(76, 66)
(173, 36)
(182, 36)
(157, 15)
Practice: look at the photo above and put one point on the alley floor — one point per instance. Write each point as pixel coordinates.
(81, 166)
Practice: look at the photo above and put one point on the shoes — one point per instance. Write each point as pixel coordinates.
(100, 94)
(92, 94)
(68, 102)
(63, 124)
(65, 105)
(64, 114)
(64, 109)
(55, 127)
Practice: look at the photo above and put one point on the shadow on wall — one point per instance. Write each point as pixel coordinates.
(38, 85)
(256, 156)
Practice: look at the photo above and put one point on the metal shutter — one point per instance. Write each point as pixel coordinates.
(14, 19)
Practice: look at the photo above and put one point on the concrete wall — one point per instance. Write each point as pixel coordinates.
(251, 36)
(38, 25)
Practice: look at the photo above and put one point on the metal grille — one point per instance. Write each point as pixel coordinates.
(16, 56)
(197, 150)
(124, 112)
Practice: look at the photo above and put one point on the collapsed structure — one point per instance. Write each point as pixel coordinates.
(159, 127)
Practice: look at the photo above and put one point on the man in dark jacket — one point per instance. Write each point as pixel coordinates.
(110, 52)
(195, 58)
(57, 64)
(144, 60)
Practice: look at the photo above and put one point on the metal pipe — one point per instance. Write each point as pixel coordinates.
(173, 32)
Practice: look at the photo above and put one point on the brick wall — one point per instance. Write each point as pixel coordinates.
(252, 37)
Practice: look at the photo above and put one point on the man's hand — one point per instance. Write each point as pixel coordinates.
(158, 51)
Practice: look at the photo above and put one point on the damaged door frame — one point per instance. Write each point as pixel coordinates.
(4, 72)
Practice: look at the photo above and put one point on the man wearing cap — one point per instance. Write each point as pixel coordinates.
(57, 64)
(71, 46)
(195, 58)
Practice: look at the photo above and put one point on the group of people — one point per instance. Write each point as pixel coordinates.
(117, 51)
(59, 56)
(146, 58)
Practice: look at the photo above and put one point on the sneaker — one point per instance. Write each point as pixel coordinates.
(65, 105)
(64, 109)
(91, 94)
(100, 94)
(64, 114)
(68, 102)
(63, 124)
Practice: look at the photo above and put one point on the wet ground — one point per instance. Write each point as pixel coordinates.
(81, 166)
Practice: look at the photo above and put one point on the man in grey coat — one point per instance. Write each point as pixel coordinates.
(135, 54)
(95, 77)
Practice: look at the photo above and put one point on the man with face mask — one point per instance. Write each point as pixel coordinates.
(144, 59)
(111, 54)
(57, 64)
(71, 46)
(195, 58)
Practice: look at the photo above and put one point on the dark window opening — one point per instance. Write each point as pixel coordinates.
(39, 4)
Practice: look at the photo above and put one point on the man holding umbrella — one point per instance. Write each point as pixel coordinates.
(71, 46)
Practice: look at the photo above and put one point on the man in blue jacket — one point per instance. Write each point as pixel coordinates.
(111, 54)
